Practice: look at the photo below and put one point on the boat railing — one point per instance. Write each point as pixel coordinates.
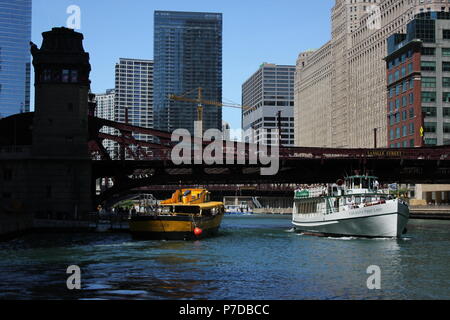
(335, 204)
(310, 193)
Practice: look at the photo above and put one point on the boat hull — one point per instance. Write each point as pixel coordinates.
(382, 221)
(173, 227)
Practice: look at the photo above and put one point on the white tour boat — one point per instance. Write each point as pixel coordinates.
(355, 207)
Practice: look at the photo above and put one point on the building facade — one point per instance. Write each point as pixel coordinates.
(105, 109)
(15, 37)
(133, 101)
(268, 100)
(188, 56)
(418, 75)
(340, 91)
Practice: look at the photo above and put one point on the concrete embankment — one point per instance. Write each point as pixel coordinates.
(430, 212)
(13, 225)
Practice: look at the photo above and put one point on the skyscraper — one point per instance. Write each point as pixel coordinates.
(340, 95)
(188, 56)
(269, 91)
(134, 91)
(15, 36)
(106, 110)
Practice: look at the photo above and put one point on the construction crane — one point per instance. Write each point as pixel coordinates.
(202, 102)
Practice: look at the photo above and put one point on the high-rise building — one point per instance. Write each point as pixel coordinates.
(340, 92)
(188, 56)
(418, 75)
(106, 110)
(134, 94)
(15, 37)
(269, 91)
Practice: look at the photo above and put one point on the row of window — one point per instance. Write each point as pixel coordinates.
(64, 76)
(430, 96)
(432, 52)
(402, 132)
(402, 59)
(405, 144)
(432, 111)
(431, 66)
(403, 116)
(405, 70)
(403, 102)
(401, 88)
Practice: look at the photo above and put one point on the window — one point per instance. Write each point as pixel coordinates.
(428, 96)
(405, 86)
(411, 143)
(429, 82)
(446, 82)
(405, 101)
(411, 113)
(404, 115)
(446, 112)
(412, 129)
(446, 96)
(411, 98)
(398, 133)
(446, 127)
(405, 131)
(428, 51)
(65, 76)
(74, 76)
(428, 66)
(446, 66)
(430, 142)
(392, 134)
(446, 52)
(430, 127)
(429, 111)
(446, 34)
(410, 68)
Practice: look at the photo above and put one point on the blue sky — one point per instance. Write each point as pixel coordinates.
(255, 31)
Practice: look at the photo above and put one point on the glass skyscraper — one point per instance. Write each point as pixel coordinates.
(187, 55)
(15, 36)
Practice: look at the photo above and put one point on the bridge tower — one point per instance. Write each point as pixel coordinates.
(60, 129)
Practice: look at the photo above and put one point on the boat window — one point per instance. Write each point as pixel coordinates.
(365, 183)
(187, 209)
(358, 200)
(188, 192)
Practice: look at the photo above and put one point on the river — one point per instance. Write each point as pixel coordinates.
(254, 257)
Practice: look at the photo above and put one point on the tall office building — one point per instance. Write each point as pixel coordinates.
(134, 92)
(269, 91)
(340, 95)
(418, 73)
(106, 110)
(15, 37)
(188, 56)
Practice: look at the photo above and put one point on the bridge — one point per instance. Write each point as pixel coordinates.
(144, 164)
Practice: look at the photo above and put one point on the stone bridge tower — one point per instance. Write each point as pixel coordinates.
(62, 179)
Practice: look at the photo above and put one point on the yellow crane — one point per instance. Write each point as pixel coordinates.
(202, 102)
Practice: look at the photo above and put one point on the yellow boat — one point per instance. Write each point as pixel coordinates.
(188, 215)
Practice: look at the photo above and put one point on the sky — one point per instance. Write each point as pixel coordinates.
(254, 32)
